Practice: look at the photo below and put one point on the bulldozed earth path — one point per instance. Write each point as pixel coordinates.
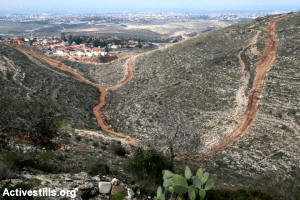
(265, 62)
(245, 119)
(97, 110)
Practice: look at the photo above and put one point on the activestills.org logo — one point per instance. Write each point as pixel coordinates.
(43, 192)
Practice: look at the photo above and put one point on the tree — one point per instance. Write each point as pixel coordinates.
(147, 165)
(46, 128)
(177, 132)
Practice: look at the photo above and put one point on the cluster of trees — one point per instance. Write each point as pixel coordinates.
(96, 42)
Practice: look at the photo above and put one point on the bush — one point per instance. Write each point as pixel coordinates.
(118, 149)
(37, 119)
(34, 182)
(147, 165)
(237, 195)
(5, 172)
(96, 168)
(46, 128)
(78, 138)
(19, 161)
(95, 144)
(118, 196)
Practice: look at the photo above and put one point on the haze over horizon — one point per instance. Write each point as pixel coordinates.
(94, 6)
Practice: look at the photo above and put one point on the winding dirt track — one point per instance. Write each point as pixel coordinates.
(265, 63)
(245, 120)
(97, 110)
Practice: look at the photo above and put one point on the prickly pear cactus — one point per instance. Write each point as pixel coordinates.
(188, 186)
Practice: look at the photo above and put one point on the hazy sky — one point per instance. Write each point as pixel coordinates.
(128, 5)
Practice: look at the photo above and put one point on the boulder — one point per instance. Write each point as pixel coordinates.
(115, 181)
(130, 193)
(104, 187)
(118, 189)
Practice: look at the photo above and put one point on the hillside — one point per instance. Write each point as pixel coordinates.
(193, 83)
(30, 84)
(194, 93)
(226, 100)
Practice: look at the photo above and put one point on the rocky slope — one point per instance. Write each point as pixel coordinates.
(28, 82)
(187, 95)
(191, 86)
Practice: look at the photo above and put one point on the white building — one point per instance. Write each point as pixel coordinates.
(59, 52)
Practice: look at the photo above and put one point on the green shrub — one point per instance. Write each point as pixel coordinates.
(46, 128)
(34, 182)
(96, 168)
(9, 158)
(6, 172)
(189, 186)
(147, 165)
(118, 149)
(118, 196)
(103, 147)
(19, 161)
(78, 138)
(241, 194)
(95, 144)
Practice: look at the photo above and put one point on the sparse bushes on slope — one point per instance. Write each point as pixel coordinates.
(147, 165)
(96, 167)
(240, 194)
(17, 162)
(118, 149)
(35, 120)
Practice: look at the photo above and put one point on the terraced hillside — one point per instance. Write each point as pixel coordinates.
(192, 84)
(105, 74)
(192, 95)
(28, 84)
(272, 144)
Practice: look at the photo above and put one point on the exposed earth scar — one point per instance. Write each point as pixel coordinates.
(245, 119)
(265, 62)
(97, 110)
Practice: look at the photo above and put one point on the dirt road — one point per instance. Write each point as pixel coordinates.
(265, 62)
(97, 110)
(245, 118)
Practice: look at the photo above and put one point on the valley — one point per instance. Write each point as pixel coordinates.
(226, 99)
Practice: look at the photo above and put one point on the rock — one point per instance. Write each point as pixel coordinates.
(130, 193)
(96, 178)
(115, 181)
(86, 186)
(104, 187)
(118, 189)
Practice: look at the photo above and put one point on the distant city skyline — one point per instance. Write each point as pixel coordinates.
(141, 6)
